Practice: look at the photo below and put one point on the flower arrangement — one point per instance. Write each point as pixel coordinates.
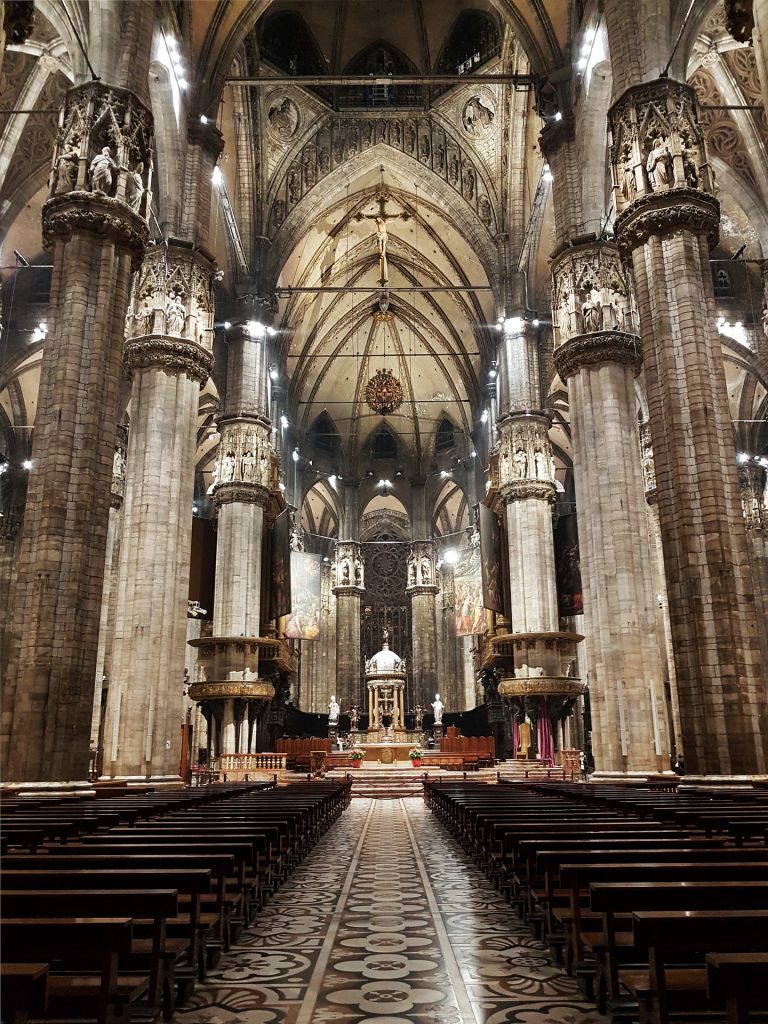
(356, 754)
(416, 754)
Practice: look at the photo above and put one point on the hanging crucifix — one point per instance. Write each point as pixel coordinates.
(381, 218)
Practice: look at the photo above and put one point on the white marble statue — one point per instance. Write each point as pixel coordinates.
(657, 165)
(248, 467)
(333, 711)
(438, 707)
(175, 315)
(101, 170)
(134, 187)
(520, 460)
(227, 473)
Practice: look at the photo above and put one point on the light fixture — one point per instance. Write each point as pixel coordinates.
(473, 454)
(535, 323)
(493, 373)
(281, 485)
(256, 329)
(451, 556)
(227, 325)
(26, 464)
(203, 119)
(216, 176)
(271, 332)
(273, 374)
(484, 416)
(3, 468)
(384, 483)
(326, 559)
(513, 325)
(444, 474)
(194, 510)
(742, 457)
(558, 116)
(284, 422)
(332, 479)
(384, 392)
(295, 454)
(546, 174)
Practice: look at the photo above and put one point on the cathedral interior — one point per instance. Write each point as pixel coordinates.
(328, 321)
(384, 511)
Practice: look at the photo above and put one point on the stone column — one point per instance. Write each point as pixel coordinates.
(94, 226)
(168, 357)
(667, 219)
(245, 475)
(109, 591)
(422, 589)
(598, 355)
(349, 587)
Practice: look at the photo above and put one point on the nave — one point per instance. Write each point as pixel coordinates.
(387, 921)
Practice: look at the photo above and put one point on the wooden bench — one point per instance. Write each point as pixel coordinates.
(83, 955)
(23, 991)
(662, 989)
(738, 980)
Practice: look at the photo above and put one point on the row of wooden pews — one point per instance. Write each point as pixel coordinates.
(656, 901)
(117, 920)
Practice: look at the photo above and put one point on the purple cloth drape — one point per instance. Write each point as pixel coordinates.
(546, 739)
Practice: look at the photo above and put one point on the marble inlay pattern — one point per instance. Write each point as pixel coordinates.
(386, 922)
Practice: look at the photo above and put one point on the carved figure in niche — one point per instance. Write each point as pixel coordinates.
(264, 468)
(118, 464)
(201, 329)
(539, 464)
(352, 144)
(484, 210)
(324, 161)
(440, 158)
(345, 577)
(419, 710)
(310, 175)
(765, 320)
(134, 187)
(368, 135)
(175, 315)
(468, 189)
(227, 474)
(278, 212)
(338, 149)
(354, 718)
(615, 314)
(426, 570)
(294, 187)
(145, 318)
(477, 117)
(564, 319)
(398, 134)
(66, 169)
(520, 460)
(248, 466)
(412, 574)
(552, 468)
(101, 170)
(438, 707)
(410, 138)
(689, 169)
(591, 313)
(657, 165)
(381, 131)
(425, 149)
(283, 118)
(453, 169)
(628, 183)
(358, 573)
(333, 711)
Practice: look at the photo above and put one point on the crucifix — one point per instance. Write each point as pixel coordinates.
(381, 218)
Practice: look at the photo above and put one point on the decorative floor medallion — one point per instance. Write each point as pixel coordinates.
(387, 922)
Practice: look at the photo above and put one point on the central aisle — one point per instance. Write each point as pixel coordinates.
(387, 921)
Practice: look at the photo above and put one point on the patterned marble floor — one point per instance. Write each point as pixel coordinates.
(386, 922)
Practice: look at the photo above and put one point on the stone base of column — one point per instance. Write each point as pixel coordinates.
(36, 789)
(171, 781)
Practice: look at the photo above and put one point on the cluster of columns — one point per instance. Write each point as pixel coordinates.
(422, 588)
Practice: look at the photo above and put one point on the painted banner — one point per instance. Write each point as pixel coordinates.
(490, 559)
(567, 566)
(468, 591)
(303, 622)
(281, 565)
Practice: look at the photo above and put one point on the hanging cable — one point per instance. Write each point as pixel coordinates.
(94, 76)
(665, 72)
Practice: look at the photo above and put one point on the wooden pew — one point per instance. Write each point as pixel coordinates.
(662, 989)
(83, 956)
(23, 991)
(738, 981)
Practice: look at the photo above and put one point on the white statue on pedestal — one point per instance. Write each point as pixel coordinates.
(438, 707)
(333, 711)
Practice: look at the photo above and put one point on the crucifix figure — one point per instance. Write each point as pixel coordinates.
(381, 218)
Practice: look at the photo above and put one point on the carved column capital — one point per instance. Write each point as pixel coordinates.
(664, 213)
(526, 464)
(246, 469)
(422, 568)
(170, 355)
(590, 291)
(348, 572)
(99, 215)
(588, 350)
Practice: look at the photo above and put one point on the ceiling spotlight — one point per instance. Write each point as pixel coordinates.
(203, 119)
(513, 324)
(255, 329)
(492, 373)
(216, 176)
(26, 464)
(284, 422)
(273, 374)
(451, 556)
(742, 457)
(295, 455)
(546, 174)
(271, 332)
(558, 116)
(484, 416)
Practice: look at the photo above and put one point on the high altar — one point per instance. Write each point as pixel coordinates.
(385, 675)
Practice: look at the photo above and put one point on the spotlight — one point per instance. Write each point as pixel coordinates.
(451, 556)
(271, 332)
(558, 116)
(513, 325)
(547, 174)
(27, 464)
(484, 417)
(492, 373)
(256, 330)
(742, 457)
(216, 176)
(273, 374)
(227, 325)
(295, 455)
(203, 119)
(284, 422)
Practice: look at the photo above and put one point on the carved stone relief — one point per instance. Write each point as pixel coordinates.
(172, 295)
(590, 293)
(422, 571)
(754, 493)
(104, 146)
(245, 456)
(646, 452)
(348, 571)
(656, 142)
(526, 463)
